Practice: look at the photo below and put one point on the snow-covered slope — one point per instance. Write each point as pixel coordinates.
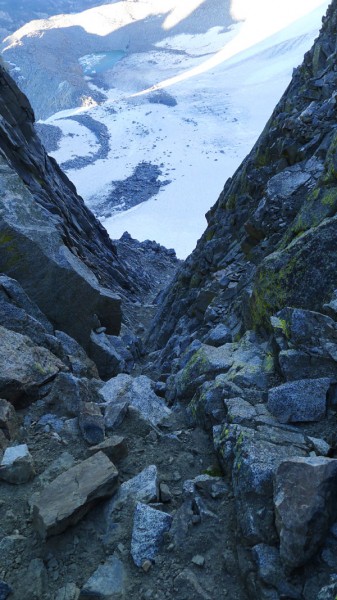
(177, 121)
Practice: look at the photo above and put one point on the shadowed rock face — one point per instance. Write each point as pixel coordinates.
(271, 236)
(50, 242)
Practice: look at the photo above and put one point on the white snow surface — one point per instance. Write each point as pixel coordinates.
(226, 85)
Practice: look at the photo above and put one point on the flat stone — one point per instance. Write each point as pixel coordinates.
(115, 448)
(299, 401)
(17, 465)
(141, 488)
(71, 495)
(305, 492)
(149, 526)
(106, 583)
(91, 423)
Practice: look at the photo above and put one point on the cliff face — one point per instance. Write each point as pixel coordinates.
(50, 242)
(270, 240)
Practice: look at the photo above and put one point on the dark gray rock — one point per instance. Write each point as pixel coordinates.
(107, 582)
(50, 421)
(149, 527)
(9, 424)
(251, 458)
(305, 489)
(308, 341)
(304, 400)
(77, 359)
(219, 336)
(24, 367)
(115, 448)
(105, 355)
(186, 585)
(5, 590)
(69, 392)
(115, 413)
(272, 572)
(91, 423)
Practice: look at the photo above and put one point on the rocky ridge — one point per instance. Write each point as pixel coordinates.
(245, 337)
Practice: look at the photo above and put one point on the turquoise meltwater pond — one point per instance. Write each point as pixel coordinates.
(98, 62)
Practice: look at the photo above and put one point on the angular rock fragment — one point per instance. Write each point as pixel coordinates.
(71, 495)
(103, 352)
(8, 420)
(299, 401)
(115, 413)
(115, 448)
(305, 505)
(17, 465)
(106, 583)
(68, 393)
(24, 367)
(80, 364)
(141, 488)
(91, 423)
(149, 527)
(138, 393)
(186, 584)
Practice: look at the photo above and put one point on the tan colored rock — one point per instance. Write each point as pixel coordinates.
(71, 495)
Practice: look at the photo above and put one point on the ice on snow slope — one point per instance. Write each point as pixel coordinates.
(190, 108)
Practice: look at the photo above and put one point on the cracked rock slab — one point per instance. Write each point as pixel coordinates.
(71, 495)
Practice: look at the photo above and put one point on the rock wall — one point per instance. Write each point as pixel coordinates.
(50, 242)
(246, 337)
(271, 235)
